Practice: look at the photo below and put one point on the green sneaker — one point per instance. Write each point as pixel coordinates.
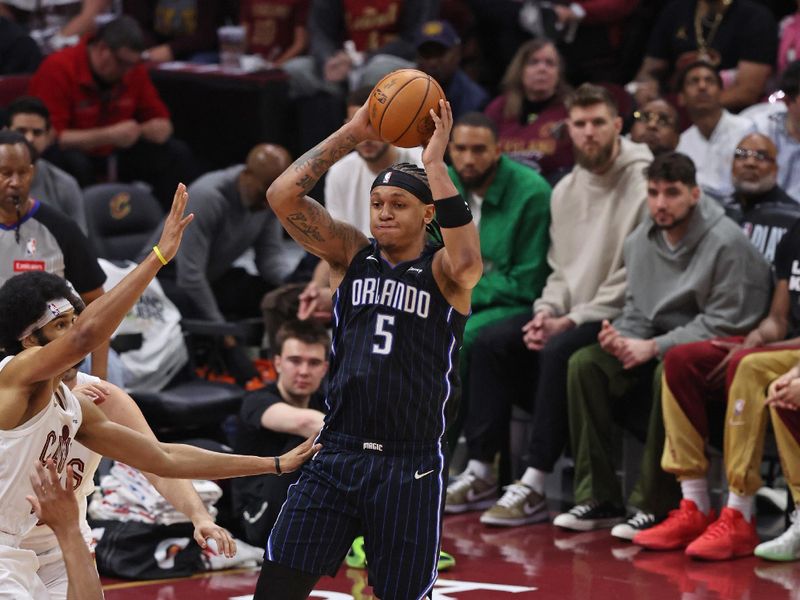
(357, 559)
(446, 561)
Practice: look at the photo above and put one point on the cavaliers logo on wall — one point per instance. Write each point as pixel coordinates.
(120, 206)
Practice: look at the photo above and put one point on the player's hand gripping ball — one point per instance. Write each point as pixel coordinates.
(399, 107)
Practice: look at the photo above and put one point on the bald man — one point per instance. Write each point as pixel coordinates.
(232, 217)
(657, 125)
(759, 205)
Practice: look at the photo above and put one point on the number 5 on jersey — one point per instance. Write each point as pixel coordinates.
(384, 334)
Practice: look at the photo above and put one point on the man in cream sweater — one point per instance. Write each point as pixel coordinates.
(523, 359)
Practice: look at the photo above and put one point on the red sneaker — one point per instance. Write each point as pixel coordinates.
(680, 528)
(730, 536)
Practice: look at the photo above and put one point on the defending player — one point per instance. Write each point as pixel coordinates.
(399, 311)
(39, 416)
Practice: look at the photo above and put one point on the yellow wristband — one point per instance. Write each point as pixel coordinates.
(159, 255)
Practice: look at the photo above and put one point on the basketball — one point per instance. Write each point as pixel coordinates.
(399, 107)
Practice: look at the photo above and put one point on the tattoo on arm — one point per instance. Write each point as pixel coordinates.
(313, 164)
(306, 225)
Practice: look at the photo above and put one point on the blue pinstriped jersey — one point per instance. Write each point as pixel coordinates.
(394, 352)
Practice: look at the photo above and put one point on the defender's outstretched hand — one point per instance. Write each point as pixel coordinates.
(175, 224)
(437, 145)
(294, 459)
(53, 504)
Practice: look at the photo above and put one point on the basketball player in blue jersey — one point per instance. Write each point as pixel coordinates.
(399, 309)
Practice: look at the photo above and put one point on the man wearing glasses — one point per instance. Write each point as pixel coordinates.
(108, 117)
(657, 126)
(763, 209)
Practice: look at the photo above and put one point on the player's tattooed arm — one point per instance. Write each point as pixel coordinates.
(304, 218)
(314, 163)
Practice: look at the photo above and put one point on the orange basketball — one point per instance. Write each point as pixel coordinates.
(399, 107)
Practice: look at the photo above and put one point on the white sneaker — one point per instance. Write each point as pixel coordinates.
(785, 547)
(469, 492)
(638, 522)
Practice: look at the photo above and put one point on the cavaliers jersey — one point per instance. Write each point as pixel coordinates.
(49, 434)
(394, 350)
(84, 464)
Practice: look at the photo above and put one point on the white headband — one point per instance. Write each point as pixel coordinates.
(55, 308)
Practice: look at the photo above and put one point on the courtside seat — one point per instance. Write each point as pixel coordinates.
(121, 218)
(191, 407)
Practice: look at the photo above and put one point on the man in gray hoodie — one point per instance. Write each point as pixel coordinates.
(692, 275)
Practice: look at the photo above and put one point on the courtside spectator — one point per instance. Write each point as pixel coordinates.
(51, 185)
(177, 29)
(737, 37)
(439, 55)
(656, 124)
(739, 370)
(691, 275)
(760, 205)
(530, 114)
(277, 30)
(510, 206)
(280, 416)
(714, 133)
(107, 115)
(593, 210)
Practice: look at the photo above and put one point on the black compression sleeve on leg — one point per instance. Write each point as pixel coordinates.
(277, 582)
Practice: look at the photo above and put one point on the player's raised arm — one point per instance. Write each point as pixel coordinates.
(101, 318)
(460, 260)
(304, 218)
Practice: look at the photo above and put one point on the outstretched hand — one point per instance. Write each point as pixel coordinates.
(175, 224)
(437, 145)
(294, 459)
(206, 529)
(54, 505)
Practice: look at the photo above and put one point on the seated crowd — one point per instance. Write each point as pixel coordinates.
(639, 229)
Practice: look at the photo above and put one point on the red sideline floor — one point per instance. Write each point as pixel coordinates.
(537, 562)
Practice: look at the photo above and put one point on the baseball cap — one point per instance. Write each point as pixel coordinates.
(438, 32)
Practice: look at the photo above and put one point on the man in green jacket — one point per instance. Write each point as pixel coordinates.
(510, 205)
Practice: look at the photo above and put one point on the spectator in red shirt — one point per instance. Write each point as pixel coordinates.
(276, 29)
(107, 114)
(530, 113)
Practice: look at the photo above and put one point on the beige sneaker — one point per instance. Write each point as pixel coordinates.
(519, 505)
(469, 492)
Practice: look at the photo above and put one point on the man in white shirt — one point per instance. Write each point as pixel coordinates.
(714, 134)
(348, 181)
